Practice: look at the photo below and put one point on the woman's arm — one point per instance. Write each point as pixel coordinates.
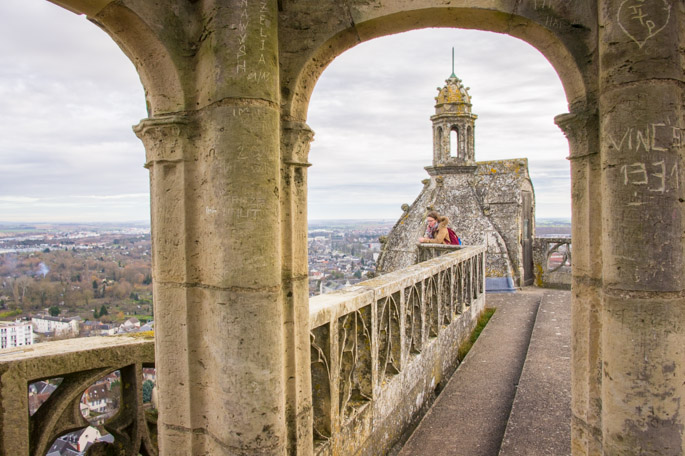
(441, 236)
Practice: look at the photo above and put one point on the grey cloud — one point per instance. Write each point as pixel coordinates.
(68, 97)
(514, 91)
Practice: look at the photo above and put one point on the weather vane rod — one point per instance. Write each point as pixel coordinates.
(453, 75)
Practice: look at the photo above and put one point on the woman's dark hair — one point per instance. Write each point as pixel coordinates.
(434, 215)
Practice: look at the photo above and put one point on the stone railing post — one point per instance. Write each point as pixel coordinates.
(642, 142)
(216, 231)
(582, 132)
(558, 276)
(295, 140)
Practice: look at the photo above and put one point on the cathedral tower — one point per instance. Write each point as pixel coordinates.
(453, 124)
(488, 203)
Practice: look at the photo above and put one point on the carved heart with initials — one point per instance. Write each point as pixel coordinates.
(643, 19)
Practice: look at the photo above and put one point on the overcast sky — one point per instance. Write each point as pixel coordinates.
(68, 98)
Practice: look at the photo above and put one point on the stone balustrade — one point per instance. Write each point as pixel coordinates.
(79, 363)
(552, 262)
(429, 251)
(382, 349)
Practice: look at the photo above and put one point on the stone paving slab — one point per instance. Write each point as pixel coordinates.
(469, 417)
(540, 421)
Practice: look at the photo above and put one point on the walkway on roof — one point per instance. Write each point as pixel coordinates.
(512, 394)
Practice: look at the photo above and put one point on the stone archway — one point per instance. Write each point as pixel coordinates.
(228, 84)
(574, 79)
(299, 75)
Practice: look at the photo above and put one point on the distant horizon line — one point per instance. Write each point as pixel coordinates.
(147, 223)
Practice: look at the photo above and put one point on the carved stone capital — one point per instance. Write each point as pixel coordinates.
(296, 138)
(570, 123)
(163, 137)
(581, 129)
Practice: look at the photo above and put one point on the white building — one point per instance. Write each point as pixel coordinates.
(56, 326)
(75, 443)
(98, 398)
(15, 333)
(130, 325)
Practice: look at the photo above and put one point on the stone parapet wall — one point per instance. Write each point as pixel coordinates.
(80, 363)
(380, 350)
(429, 251)
(552, 262)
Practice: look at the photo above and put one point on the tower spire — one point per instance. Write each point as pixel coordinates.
(453, 124)
(453, 75)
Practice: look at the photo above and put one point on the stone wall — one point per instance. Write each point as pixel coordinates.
(499, 185)
(483, 203)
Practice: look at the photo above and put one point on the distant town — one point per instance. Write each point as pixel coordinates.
(74, 280)
(78, 280)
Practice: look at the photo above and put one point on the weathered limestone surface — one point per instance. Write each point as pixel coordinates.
(216, 202)
(643, 338)
(483, 203)
(228, 84)
(500, 185)
(581, 129)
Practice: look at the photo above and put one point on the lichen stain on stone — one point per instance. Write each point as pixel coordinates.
(538, 275)
(142, 335)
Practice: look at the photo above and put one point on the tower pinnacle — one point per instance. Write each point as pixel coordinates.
(453, 124)
(453, 75)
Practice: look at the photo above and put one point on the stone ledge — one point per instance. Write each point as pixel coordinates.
(71, 346)
(323, 307)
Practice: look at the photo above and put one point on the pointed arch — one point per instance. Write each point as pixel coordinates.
(299, 86)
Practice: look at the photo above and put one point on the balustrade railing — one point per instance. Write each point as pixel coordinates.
(429, 251)
(380, 349)
(78, 363)
(552, 262)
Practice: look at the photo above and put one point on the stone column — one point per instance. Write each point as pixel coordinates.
(582, 130)
(166, 157)
(643, 303)
(216, 230)
(295, 140)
